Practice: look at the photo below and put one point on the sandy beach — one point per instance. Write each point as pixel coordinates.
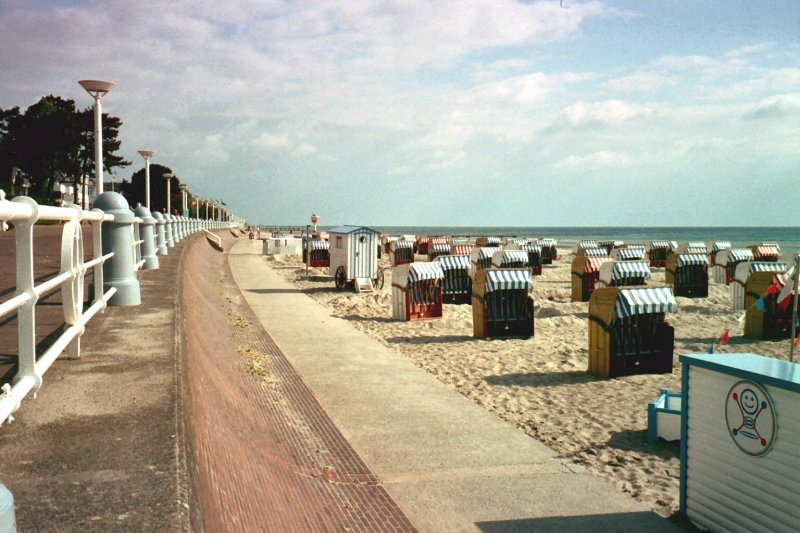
(541, 384)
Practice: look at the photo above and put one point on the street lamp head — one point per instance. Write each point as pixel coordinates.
(184, 187)
(96, 88)
(168, 175)
(147, 154)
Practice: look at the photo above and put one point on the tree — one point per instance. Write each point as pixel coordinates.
(135, 192)
(51, 138)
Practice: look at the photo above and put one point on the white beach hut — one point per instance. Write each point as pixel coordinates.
(354, 257)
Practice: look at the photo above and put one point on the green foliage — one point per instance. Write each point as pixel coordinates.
(52, 140)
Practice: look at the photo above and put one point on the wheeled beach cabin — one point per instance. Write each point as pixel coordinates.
(457, 282)
(657, 252)
(742, 275)
(624, 273)
(767, 319)
(318, 253)
(417, 291)
(502, 305)
(585, 274)
(401, 252)
(628, 333)
(354, 256)
(688, 274)
(728, 259)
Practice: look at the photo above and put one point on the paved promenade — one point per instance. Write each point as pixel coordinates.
(450, 464)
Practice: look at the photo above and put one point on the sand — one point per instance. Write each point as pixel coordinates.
(541, 384)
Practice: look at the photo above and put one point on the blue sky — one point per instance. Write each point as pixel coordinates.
(480, 112)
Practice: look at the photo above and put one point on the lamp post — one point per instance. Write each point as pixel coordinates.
(184, 206)
(97, 89)
(168, 176)
(147, 154)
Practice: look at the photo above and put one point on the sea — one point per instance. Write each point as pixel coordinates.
(787, 237)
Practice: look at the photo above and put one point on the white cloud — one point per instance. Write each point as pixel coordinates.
(595, 160)
(269, 140)
(775, 107)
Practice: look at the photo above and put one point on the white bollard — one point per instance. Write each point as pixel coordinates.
(8, 522)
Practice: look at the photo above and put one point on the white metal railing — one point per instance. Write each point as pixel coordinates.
(137, 241)
(24, 213)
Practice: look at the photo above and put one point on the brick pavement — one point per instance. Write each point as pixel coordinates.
(266, 456)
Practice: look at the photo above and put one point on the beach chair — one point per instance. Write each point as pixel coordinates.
(632, 252)
(585, 274)
(728, 259)
(688, 274)
(534, 251)
(628, 333)
(509, 259)
(422, 244)
(402, 252)
(624, 273)
(461, 249)
(502, 305)
(319, 254)
(435, 249)
(456, 283)
(481, 259)
(491, 242)
(766, 252)
(768, 319)
(549, 250)
(591, 251)
(742, 274)
(717, 271)
(609, 246)
(387, 243)
(583, 244)
(657, 252)
(417, 291)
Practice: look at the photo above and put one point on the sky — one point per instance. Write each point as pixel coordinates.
(457, 113)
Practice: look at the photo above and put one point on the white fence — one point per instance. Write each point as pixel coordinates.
(24, 212)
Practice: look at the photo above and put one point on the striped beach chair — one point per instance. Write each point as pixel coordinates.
(319, 254)
(742, 274)
(728, 259)
(585, 274)
(481, 258)
(549, 250)
(628, 333)
(402, 252)
(688, 274)
(510, 259)
(534, 251)
(456, 283)
(769, 320)
(502, 305)
(632, 252)
(461, 249)
(417, 291)
(766, 251)
(435, 249)
(657, 252)
(624, 273)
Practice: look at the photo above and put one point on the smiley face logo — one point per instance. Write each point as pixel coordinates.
(750, 417)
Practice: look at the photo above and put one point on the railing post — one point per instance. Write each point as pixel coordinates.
(72, 290)
(8, 522)
(176, 230)
(147, 235)
(161, 233)
(26, 314)
(168, 231)
(120, 272)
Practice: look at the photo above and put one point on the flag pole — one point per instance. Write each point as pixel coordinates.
(794, 305)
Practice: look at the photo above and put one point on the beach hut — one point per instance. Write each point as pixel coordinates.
(585, 273)
(510, 259)
(435, 249)
(717, 271)
(766, 251)
(481, 258)
(402, 252)
(742, 274)
(632, 252)
(765, 318)
(493, 242)
(728, 259)
(502, 305)
(457, 283)
(461, 249)
(318, 254)
(624, 273)
(628, 333)
(417, 291)
(549, 250)
(354, 258)
(688, 274)
(657, 252)
(739, 455)
(534, 251)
